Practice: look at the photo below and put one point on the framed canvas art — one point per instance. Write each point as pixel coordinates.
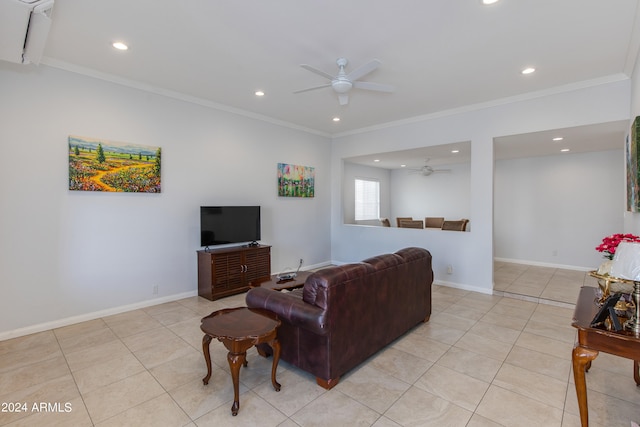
(295, 180)
(632, 161)
(101, 165)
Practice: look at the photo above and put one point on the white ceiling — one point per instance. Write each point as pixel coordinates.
(439, 54)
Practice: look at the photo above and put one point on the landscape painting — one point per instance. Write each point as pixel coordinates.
(295, 180)
(100, 165)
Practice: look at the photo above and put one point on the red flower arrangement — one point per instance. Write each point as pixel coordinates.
(610, 243)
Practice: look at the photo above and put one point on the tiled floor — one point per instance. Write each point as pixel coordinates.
(541, 284)
(480, 361)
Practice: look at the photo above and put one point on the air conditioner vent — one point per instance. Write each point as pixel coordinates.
(24, 27)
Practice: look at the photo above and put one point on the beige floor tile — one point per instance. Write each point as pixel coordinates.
(485, 346)
(298, 390)
(453, 386)
(159, 411)
(196, 399)
(86, 340)
(34, 374)
(27, 343)
(157, 346)
(101, 353)
(419, 408)
(80, 329)
(604, 410)
(421, 347)
(38, 351)
(66, 414)
(107, 372)
(556, 367)
(495, 332)
(189, 368)
(439, 332)
(542, 388)
(400, 364)
(469, 363)
(335, 409)
(512, 409)
(562, 332)
(131, 323)
(253, 411)
(58, 390)
(115, 398)
(545, 345)
(452, 320)
(374, 388)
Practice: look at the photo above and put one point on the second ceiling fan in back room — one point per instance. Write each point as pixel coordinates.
(342, 83)
(427, 170)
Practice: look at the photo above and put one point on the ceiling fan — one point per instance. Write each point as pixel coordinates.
(427, 170)
(342, 83)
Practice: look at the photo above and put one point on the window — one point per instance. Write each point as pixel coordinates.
(367, 199)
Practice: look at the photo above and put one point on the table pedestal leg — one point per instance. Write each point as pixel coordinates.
(636, 371)
(235, 361)
(581, 359)
(275, 345)
(207, 357)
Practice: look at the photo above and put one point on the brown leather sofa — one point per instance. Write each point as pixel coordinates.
(346, 313)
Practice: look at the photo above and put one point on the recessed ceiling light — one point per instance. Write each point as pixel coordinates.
(403, 166)
(120, 46)
(376, 160)
(528, 70)
(558, 138)
(489, 1)
(455, 151)
(565, 150)
(336, 119)
(259, 93)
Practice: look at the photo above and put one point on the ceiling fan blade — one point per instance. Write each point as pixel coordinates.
(363, 70)
(343, 99)
(312, 88)
(373, 86)
(316, 71)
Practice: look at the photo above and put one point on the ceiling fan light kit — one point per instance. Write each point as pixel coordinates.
(342, 82)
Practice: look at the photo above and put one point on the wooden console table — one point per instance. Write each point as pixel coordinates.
(592, 340)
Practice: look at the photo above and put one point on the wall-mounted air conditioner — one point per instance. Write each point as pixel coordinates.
(24, 27)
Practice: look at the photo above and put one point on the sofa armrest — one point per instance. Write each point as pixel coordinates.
(289, 308)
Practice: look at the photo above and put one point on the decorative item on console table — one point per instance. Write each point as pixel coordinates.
(607, 282)
(626, 265)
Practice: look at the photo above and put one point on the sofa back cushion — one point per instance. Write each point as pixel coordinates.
(316, 287)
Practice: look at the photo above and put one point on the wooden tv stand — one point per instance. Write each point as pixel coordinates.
(228, 271)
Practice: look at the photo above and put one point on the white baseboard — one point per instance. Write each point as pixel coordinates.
(463, 287)
(545, 264)
(91, 316)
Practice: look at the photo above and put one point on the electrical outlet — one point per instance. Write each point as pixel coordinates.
(155, 290)
(449, 269)
(554, 252)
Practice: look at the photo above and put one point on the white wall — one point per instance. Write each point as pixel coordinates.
(68, 256)
(470, 254)
(556, 209)
(441, 194)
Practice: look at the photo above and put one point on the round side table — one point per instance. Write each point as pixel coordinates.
(239, 329)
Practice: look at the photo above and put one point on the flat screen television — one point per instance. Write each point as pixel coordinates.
(221, 225)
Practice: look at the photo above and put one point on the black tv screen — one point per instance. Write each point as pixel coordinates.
(220, 225)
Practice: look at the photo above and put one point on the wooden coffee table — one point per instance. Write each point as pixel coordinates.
(239, 329)
(592, 340)
(279, 285)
